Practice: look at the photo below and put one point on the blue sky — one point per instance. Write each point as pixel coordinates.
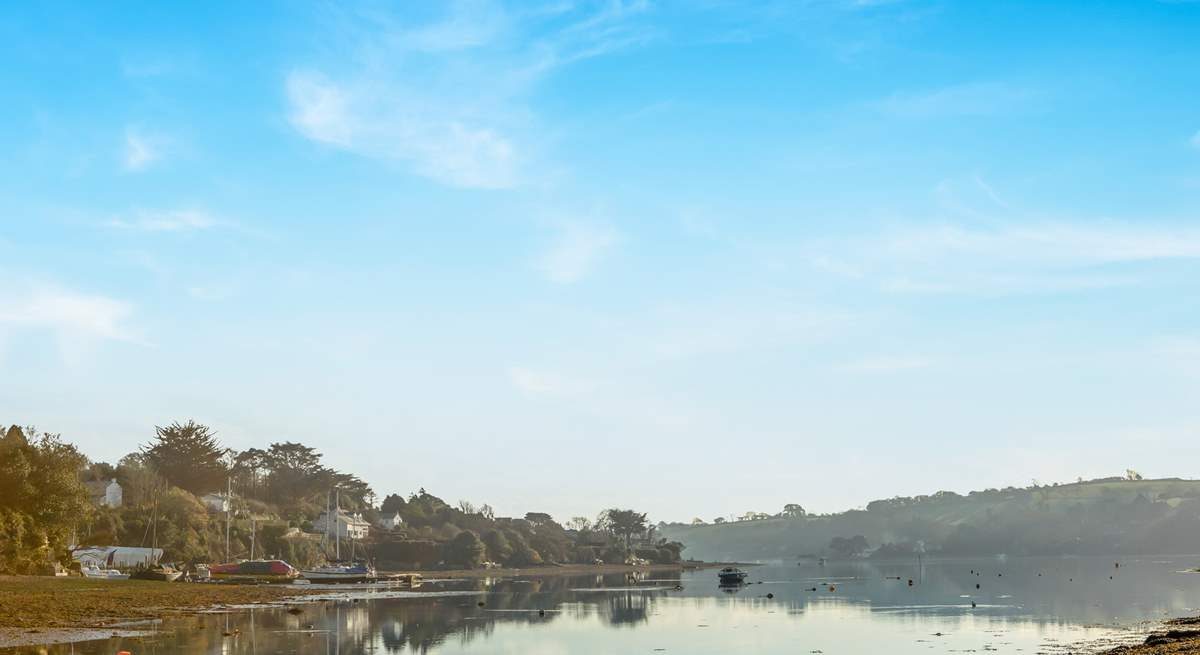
(696, 258)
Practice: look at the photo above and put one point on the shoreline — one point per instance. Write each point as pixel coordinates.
(42, 610)
(1180, 636)
(565, 569)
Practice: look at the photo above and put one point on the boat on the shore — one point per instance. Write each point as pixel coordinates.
(157, 573)
(340, 572)
(96, 573)
(262, 570)
(731, 576)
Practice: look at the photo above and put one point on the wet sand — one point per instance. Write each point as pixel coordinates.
(29, 602)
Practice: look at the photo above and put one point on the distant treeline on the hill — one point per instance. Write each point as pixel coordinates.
(1107, 516)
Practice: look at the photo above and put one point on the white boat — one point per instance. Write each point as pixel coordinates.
(96, 573)
(731, 576)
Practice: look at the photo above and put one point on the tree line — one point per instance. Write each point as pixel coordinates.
(278, 493)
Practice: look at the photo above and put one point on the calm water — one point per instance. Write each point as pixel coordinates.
(1021, 606)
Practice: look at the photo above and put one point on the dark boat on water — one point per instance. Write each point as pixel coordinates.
(158, 573)
(731, 576)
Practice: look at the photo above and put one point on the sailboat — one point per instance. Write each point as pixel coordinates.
(157, 572)
(338, 571)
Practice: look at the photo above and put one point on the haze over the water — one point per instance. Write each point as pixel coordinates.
(692, 258)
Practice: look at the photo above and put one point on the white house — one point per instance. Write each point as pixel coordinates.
(216, 502)
(391, 522)
(344, 525)
(105, 494)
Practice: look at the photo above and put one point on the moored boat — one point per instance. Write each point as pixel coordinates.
(261, 570)
(731, 575)
(158, 573)
(96, 573)
(341, 573)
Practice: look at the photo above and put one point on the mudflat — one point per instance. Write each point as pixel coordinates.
(32, 602)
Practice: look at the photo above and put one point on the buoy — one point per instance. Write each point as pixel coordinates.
(972, 603)
(541, 612)
(770, 595)
(910, 582)
(480, 603)
(976, 585)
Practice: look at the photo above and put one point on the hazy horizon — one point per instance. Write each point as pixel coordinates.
(690, 259)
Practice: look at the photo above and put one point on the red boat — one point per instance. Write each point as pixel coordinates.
(260, 570)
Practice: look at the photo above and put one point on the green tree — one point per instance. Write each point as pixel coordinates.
(182, 527)
(522, 553)
(537, 518)
(41, 498)
(793, 510)
(466, 550)
(188, 456)
(499, 550)
(392, 503)
(624, 523)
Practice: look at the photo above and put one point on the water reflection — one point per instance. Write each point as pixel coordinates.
(862, 607)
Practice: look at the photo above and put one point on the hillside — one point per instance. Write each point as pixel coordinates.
(1111, 515)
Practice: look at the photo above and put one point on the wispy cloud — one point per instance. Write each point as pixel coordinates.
(536, 382)
(448, 99)
(884, 364)
(140, 150)
(1034, 257)
(180, 220)
(452, 150)
(76, 319)
(969, 99)
(578, 248)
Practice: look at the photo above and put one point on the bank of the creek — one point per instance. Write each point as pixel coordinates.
(43, 610)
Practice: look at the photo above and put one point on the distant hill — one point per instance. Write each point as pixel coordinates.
(1107, 516)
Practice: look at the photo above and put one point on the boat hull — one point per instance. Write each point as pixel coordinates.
(268, 571)
(157, 576)
(333, 578)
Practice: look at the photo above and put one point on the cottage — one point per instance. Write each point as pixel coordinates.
(343, 525)
(393, 522)
(104, 494)
(215, 502)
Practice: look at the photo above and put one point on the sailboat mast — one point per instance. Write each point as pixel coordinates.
(337, 527)
(228, 507)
